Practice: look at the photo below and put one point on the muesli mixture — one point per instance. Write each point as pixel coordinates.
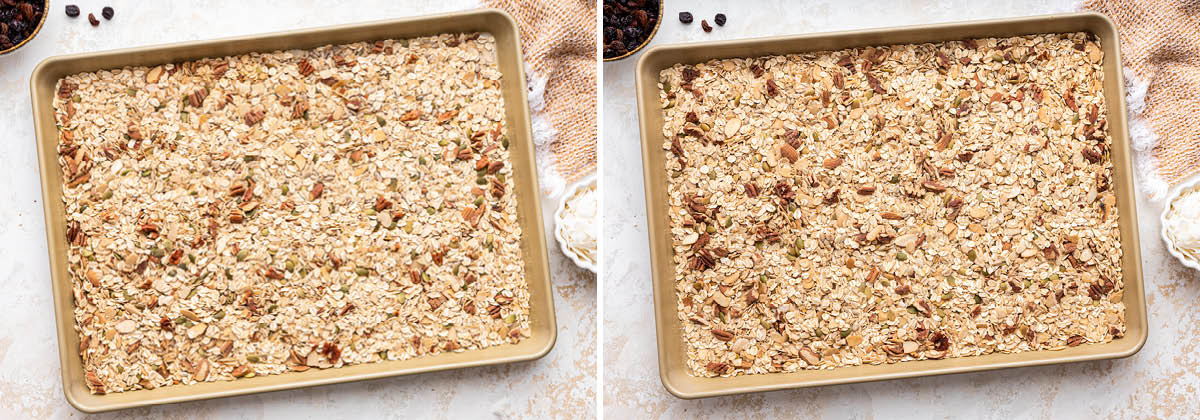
(266, 213)
(878, 205)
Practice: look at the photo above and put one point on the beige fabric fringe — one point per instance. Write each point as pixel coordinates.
(559, 43)
(1160, 44)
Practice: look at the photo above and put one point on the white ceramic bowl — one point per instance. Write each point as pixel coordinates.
(1190, 185)
(582, 261)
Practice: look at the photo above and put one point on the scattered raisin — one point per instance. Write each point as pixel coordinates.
(685, 17)
(704, 25)
(72, 10)
(107, 12)
(719, 19)
(92, 19)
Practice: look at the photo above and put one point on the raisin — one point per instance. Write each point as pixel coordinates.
(16, 29)
(107, 12)
(705, 26)
(633, 33)
(719, 19)
(72, 10)
(612, 34)
(685, 17)
(92, 19)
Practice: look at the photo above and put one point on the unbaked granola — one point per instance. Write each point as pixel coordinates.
(266, 213)
(885, 204)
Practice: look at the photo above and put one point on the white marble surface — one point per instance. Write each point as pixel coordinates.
(562, 384)
(1160, 381)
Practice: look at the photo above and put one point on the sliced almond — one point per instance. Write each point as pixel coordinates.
(154, 74)
(126, 326)
(809, 356)
(732, 126)
(196, 330)
(200, 370)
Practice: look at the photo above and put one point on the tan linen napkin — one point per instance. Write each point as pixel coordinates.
(1160, 44)
(559, 45)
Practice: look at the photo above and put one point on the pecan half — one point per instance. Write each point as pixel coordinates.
(751, 190)
(197, 97)
(304, 67)
(254, 116)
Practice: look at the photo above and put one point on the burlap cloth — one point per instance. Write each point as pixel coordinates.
(558, 40)
(1160, 42)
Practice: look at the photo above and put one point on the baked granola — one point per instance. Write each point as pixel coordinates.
(266, 213)
(886, 204)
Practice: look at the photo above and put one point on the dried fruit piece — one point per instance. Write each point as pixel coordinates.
(107, 12)
(685, 17)
(72, 10)
(719, 19)
(704, 25)
(92, 19)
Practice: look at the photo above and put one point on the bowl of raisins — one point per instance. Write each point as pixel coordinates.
(20, 21)
(629, 25)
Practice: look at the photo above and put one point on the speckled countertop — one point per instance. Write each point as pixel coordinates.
(561, 384)
(1160, 381)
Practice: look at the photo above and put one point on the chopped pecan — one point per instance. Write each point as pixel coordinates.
(751, 190)
(933, 186)
(410, 115)
(772, 88)
(702, 260)
(254, 116)
(300, 109)
(382, 204)
(331, 352)
(176, 256)
(717, 368)
(447, 116)
(784, 191)
(304, 67)
(722, 334)
(316, 191)
(197, 97)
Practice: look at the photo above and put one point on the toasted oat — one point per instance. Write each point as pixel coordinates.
(981, 220)
(247, 234)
